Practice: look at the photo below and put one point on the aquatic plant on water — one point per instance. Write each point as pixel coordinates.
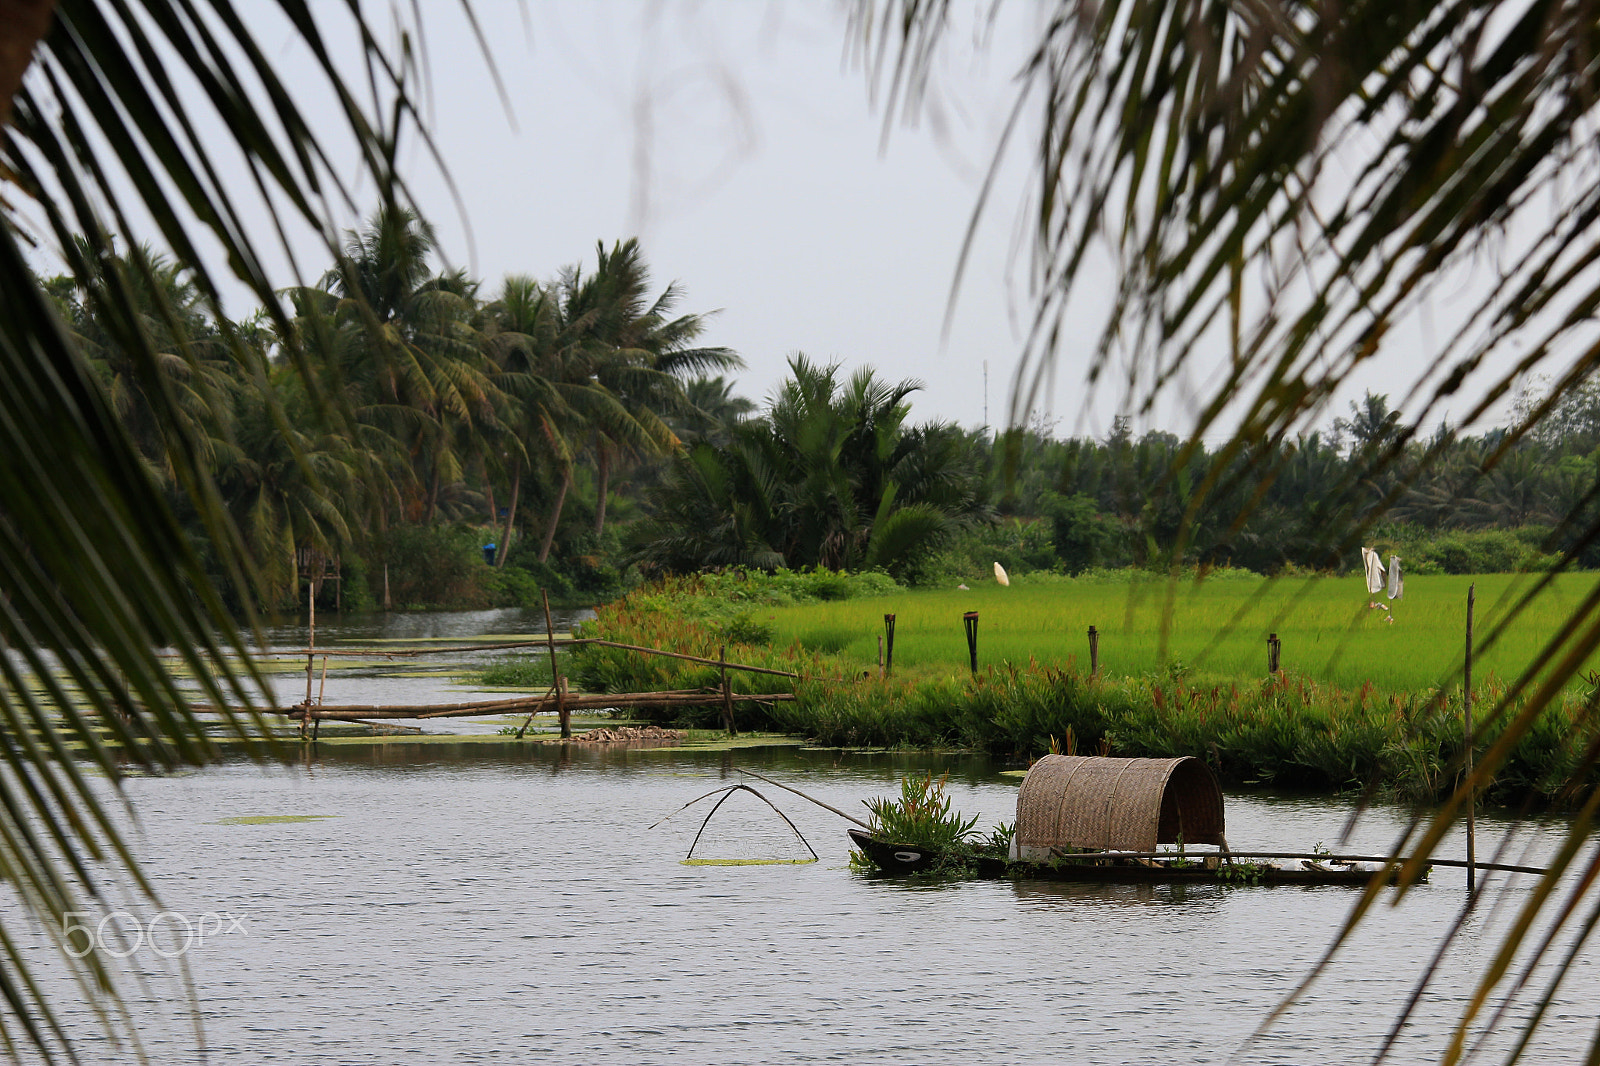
(921, 816)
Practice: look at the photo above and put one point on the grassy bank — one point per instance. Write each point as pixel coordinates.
(1294, 730)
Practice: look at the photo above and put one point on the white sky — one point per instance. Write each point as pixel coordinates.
(738, 144)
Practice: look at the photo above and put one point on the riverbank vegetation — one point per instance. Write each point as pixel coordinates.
(1400, 732)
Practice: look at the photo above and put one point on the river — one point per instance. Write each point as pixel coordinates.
(488, 901)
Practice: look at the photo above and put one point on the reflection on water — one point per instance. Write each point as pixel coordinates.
(497, 902)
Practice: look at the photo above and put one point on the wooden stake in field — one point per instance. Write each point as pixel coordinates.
(970, 622)
(1274, 653)
(888, 645)
(1466, 703)
(562, 714)
(1094, 652)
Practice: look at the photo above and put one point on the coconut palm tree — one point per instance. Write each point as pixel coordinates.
(537, 352)
(712, 413)
(423, 370)
(199, 371)
(641, 353)
(98, 568)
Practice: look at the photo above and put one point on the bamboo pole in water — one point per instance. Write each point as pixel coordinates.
(727, 694)
(1398, 860)
(539, 706)
(311, 642)
(563, 715)
(573, 702)
(1466, 689)
(802, 795)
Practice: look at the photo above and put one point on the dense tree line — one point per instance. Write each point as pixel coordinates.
(805, 482)
(412, 419)
(1451, 502)
(401, 399)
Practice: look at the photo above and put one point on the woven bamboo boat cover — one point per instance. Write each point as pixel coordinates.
(1117, 804)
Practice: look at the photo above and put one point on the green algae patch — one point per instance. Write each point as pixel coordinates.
(746, 862)
(272, 819)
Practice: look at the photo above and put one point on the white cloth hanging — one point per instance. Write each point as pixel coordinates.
(1373, 565)
(1397, 581)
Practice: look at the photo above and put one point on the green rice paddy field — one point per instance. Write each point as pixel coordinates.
(1217, 629)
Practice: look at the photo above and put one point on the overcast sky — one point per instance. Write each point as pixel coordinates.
(740, 146)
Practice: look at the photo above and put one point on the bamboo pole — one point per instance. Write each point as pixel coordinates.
(1094, 651)
(1397, 860)
(311, 642)
(311, 634)
(542, 700)
(402, 653)
(1472, 804)
(727, 693)
(562, 714)
(969, 622)
(802, 795)
(574, 702)
(888, 647)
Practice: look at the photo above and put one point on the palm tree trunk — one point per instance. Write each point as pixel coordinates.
(511, 516)
(555, 515)
(433, 492)
(604, 462)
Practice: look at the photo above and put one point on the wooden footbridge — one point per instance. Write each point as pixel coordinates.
(312, 711)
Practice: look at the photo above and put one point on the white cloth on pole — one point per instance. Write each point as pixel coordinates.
(1374, 570)
(1397, 582)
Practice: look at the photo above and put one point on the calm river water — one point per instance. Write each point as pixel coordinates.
(485, 901)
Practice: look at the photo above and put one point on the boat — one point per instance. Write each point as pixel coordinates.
(1101, 820)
